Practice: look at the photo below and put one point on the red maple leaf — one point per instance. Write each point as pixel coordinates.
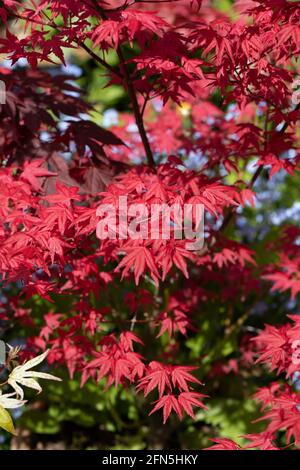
(169, 403)
(33, 171)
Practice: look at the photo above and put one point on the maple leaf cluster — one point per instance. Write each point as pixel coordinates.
(284, 273)
(278, 348)
(170, 187)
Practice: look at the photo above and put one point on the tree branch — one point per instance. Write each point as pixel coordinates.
(132, 95)
(100, 60)
(136, 110)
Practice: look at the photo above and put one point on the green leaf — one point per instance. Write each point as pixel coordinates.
(6, 422)
(233, 418)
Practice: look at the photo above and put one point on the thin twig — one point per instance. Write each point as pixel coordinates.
(100, 60)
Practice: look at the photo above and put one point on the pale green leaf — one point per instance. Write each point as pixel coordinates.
(6, 422)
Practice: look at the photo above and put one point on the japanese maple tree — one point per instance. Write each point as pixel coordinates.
(210, 109)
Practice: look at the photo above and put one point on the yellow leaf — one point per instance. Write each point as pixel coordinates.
(6, 422)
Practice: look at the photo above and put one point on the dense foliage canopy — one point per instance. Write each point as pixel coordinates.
(181, 103)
